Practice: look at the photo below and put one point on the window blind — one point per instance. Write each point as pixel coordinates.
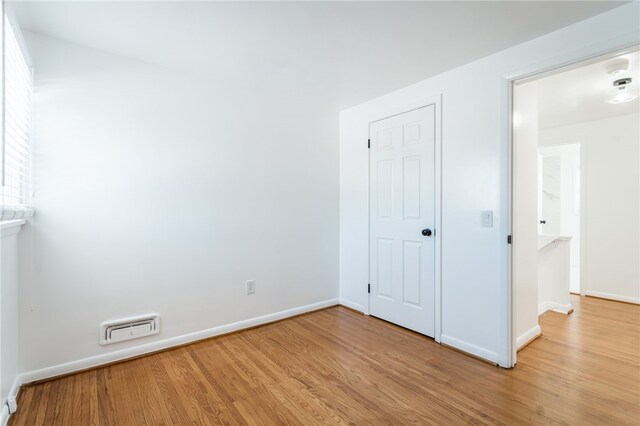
(17, 100)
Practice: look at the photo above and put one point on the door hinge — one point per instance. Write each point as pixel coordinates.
(368, 143)
(509, 239)
(368, 288)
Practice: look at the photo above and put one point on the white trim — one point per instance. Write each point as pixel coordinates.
(584, 185)
(15, 388)
(528, 336)
(10, 227)
(469, 348)
(98, 360)
(13, 393)
(614, 297)
(352, 305)
(4, 415)
(575, 58)
(437, 332)
(506, 291)
(2, 89)
(9, 213)
(555, 307)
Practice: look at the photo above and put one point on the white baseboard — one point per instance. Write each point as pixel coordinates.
(469, 348)
(527, 337)
(98, 360)
(13, 393)
(609, 296)
(556, 307)
(353, 305)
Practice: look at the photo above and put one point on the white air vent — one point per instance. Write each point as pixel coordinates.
(129, 328)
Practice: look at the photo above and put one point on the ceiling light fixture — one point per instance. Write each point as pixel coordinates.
(617, 66)
(622, 92)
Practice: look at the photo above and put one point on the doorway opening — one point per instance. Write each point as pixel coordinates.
(575, 189)
(559, 202)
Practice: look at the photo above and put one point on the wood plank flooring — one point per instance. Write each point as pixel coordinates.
(339, 367)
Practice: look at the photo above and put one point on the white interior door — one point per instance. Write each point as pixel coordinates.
(402, 219)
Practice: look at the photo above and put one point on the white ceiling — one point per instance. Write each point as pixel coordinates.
(350, 51)
(580, 94)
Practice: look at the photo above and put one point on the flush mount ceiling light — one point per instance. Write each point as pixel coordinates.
(622, 91)
(617, 66)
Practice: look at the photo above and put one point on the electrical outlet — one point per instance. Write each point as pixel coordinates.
(251, 286)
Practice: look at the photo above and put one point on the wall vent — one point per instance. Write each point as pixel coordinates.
(129, 328)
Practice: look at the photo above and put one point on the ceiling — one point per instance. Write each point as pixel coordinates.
(349, 51)
(580, 94)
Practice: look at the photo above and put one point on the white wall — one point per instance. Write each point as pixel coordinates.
(554, 277)
(525, 211)
(8, 312)
(611, 210)
(475, 178)
(156, 191)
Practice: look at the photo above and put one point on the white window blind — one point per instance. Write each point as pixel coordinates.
(16, 150)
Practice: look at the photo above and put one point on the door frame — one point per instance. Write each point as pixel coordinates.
(436, 101)
(569, 60)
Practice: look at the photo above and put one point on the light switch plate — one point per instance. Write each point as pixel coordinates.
(486, 220)
(251, 286)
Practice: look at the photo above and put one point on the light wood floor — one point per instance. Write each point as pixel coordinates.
(337, 366)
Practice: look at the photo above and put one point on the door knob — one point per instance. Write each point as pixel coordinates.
(426, 232)
(543, 222)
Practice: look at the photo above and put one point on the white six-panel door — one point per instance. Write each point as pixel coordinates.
(402, 206)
